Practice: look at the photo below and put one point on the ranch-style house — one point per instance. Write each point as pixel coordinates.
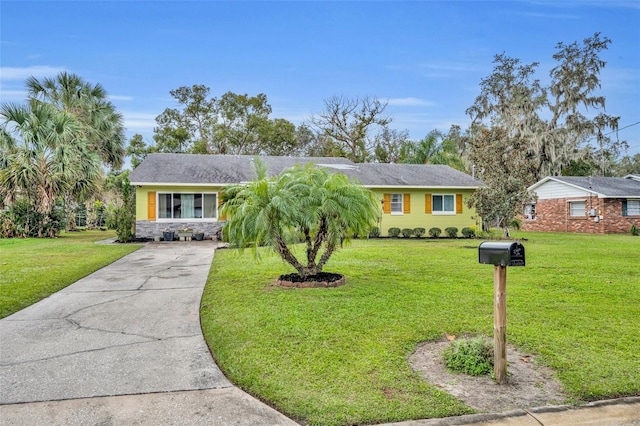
(176, 191)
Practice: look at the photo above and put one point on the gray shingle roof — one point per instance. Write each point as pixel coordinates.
(228, 169)
(607, 187)
(412, 175)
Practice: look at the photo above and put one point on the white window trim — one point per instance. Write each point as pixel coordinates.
(584, 213)
(185, 220)
(529, 216)
(401, 212)
(632, 200)
(442, 212)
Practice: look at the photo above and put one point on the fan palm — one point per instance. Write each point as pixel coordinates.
(102, 125)
(43, 155)
(306, 204)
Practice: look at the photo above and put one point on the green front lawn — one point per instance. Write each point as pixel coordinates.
(338, 355)
(33, 268)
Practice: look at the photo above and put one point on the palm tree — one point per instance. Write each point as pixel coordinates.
(102, 125)
(433, 149)
(301, 204)
(44, 156)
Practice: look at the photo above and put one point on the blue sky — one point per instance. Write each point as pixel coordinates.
(425, 57)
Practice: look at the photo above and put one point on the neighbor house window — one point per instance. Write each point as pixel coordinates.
(178, 205)
(631, 208)
(530, 211)
(443, 204)
(577, 208)
(396, 203)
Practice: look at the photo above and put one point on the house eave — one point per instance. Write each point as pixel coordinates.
(419, 187)
(177, 184)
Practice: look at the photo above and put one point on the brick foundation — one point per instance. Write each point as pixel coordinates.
(552, 215)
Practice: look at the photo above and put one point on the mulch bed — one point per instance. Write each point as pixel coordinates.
(321, 280)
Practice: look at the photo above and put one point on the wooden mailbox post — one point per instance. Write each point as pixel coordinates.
(501, 255)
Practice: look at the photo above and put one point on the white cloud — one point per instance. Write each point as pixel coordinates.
(120, 98)
(139, 122)
(22, 73)
(410, 101)
(10, 95)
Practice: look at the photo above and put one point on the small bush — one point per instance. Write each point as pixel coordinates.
(407, 232)
(419, 232)
(492, 233)
(470, 356)
(375, 232)
(468, 232)
(635, 230)
(23, 220)
(435, 232)
(394, 232)
(451, 231)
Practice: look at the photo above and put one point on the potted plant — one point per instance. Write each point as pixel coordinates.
(185, 234)
(198, 235)
(167, 235)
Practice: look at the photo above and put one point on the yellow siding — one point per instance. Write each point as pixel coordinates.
(142, 196)
(417, 218)
(416, 200)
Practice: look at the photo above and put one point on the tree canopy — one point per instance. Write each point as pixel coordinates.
(347, 124)
(523, 131)
(232, 124)
(53, 148)
(559, 121)
(102, 125)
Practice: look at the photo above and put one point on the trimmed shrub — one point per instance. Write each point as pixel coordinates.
(468, 232)
(635, 231)
(435, 232)
(407, 232)
(451, 231)
(470, 356)
(394, 232)
(419, 232)
(375, 232)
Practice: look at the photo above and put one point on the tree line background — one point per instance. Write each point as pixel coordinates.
(56, 148)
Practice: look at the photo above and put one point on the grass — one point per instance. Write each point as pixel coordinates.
(33, 268)
(338, 356)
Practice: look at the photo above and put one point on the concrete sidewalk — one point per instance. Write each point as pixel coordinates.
(124, 346)
(615, 412)
(131, 328)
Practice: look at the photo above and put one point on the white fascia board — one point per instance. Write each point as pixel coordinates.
(631, 197)
(419, 187)
(177, 184)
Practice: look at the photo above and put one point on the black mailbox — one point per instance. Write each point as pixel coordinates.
(501, 253)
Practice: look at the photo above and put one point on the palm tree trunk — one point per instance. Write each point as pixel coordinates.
(287, 256)
(325, 256)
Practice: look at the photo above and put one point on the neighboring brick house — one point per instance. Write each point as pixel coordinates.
(597, 205)
(176, 191)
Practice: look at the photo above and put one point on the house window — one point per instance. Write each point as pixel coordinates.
(187, 205)
(577, 208)
(530, 211)
(631, 208)
(396, 204)
(443, 204)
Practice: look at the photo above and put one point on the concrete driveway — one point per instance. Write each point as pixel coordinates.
(122, 346)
